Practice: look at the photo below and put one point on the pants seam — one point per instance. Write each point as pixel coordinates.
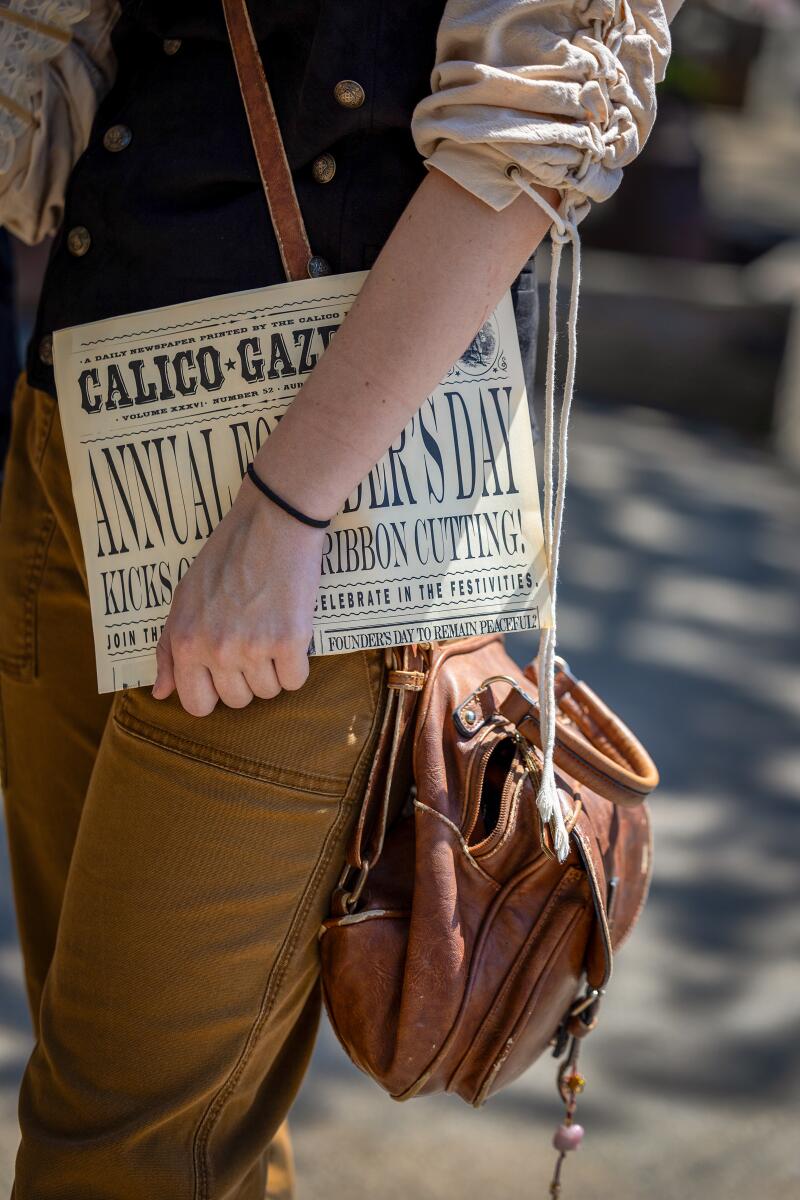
(22, 666)
(230, 765)
(3, 749)
(43, 549)
(374, 693)
(276, 976)
(43, 434)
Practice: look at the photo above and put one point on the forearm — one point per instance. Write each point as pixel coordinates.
(441, 273)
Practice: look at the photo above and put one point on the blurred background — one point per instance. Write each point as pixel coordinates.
(680, 603)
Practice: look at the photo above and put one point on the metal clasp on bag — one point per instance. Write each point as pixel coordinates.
(349, 899)
(579, 1020)
(467, 715)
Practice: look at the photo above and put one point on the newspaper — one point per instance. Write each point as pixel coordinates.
(163, 410)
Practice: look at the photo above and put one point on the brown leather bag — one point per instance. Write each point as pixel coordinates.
(458, 945)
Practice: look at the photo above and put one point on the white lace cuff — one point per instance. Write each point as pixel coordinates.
(31, 32)
(55, 64)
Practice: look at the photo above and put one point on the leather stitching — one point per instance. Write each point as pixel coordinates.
(420, 807)
(483, 1089)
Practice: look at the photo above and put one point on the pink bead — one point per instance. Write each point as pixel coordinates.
(568, 1137)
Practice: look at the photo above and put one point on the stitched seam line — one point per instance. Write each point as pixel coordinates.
(11, 663)
(43, 429)
(278, 971)
(274, 982)
(231, 769)
(374, 690)
(521, 961)
(598, 899)
(538, 987)
(40, 558)
(535, 934)
(225, 759)
(3, 747)
(23, 663)
(420, 807)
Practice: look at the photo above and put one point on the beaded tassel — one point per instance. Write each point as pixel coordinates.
(569, 1134)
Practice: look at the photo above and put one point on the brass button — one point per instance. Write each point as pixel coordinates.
(318, 266)
(349, 94)
(172, 45)
(46, 349)
(323, 168)
(117, 138)
(79, 240)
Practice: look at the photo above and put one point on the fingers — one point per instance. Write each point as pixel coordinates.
(165, 679)
(291, 664)
(203, 674)
(232, 688)
(262, 678)
(195, 687)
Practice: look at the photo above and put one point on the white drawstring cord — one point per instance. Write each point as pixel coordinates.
(563, 230)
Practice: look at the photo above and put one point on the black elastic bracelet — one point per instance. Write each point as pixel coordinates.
(284, 504)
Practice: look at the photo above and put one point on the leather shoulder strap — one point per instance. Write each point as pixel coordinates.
(276, 177)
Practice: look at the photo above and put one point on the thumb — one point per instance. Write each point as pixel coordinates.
(165, 679)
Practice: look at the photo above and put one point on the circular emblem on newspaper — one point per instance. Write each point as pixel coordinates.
(481, 353)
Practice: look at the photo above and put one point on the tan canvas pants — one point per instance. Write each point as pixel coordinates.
(170, 876)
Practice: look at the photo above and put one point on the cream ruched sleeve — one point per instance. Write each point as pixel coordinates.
(565, 89)
(56, 63)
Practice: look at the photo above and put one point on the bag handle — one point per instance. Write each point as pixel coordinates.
(592, 744)
(273, 166)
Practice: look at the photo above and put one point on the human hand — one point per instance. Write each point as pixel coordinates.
(241, 617)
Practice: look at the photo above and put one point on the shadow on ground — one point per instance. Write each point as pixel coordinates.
(680, 602)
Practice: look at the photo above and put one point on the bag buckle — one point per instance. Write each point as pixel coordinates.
(468, 716)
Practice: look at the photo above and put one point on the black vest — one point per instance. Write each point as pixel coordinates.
(166, 203)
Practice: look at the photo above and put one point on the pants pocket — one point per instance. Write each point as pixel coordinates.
(309, 739)
(27, 523)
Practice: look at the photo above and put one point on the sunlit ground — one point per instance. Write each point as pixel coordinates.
(681, 604)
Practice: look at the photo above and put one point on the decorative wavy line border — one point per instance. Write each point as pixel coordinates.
(289, 306)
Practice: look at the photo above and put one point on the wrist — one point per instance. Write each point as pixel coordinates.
(252, 510)
(300, 477)
(291, 510)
